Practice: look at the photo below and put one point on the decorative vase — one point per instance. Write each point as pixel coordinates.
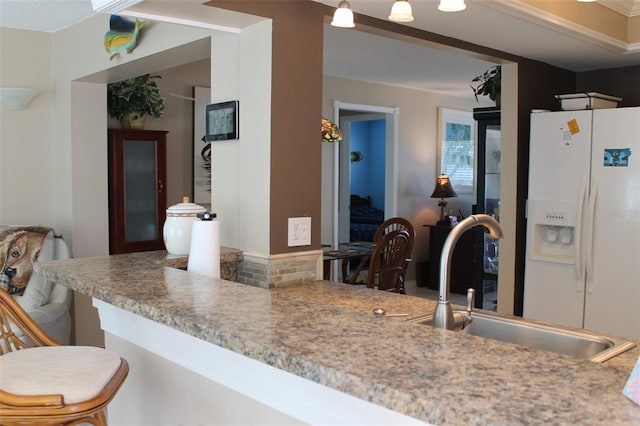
(177, 227)
(133, 120)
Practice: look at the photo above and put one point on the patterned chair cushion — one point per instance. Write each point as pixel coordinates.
(78, 373)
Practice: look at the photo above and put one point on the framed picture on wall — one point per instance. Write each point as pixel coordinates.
(201, 148)
(457, 148)
(221, 121)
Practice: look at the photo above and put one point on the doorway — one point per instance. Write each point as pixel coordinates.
(362, 182)
(347, 114)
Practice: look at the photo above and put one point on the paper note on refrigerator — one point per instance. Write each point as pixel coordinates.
(573, 126)
(632, 388)
(566, 137)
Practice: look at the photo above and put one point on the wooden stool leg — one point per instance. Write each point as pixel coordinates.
(101, 418)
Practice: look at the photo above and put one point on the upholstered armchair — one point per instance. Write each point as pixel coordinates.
(46, 302)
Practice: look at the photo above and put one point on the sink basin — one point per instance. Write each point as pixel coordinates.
(538, 336)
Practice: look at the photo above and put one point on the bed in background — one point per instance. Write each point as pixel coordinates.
(365, 219)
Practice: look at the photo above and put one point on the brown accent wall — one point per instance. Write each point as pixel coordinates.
(296, 110)
(621, 82)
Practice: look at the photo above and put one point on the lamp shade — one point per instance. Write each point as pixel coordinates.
(443, 188)
(16, 98)
(343, 16)
(401, 11)
(451, 5)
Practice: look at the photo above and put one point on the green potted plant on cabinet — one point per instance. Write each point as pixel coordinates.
(133, 99)
(489, 84)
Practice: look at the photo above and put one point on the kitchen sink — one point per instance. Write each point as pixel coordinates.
(539, 336)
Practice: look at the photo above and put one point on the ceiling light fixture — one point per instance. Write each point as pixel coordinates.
(451, 5)
(343, 16)
(401, 11)
(112, 6)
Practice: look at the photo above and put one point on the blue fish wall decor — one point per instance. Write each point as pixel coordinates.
(122, 35)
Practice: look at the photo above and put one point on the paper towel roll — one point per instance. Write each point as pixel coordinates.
(204, 253)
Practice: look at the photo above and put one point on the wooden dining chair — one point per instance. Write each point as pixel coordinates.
(391, 224)
(44, 382)
(387, 262)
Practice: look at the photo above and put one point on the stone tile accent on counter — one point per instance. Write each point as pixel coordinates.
(326, 332)
(279, 270)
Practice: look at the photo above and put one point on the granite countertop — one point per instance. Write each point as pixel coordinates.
(326, 332)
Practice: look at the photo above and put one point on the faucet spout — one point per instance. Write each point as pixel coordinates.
(443, 316)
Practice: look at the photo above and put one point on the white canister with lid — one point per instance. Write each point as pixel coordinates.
(178, 224)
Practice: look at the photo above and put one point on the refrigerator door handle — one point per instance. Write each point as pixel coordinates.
(589, 241)
(577, 248)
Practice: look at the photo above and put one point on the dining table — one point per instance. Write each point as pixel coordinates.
(346, 250)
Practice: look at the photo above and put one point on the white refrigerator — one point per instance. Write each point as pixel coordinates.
(583, 220)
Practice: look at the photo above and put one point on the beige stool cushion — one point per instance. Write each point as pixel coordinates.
(78, 373)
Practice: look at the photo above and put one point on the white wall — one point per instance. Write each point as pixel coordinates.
(418, 131)
(242, 168)
(71, 131)
(179, 396)
(40, 168)
(56, 175)
(239, 69)
(80, 137)
(27, 143)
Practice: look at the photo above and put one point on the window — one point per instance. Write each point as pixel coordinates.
(456, 148)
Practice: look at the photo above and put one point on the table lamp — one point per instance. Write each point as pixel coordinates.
(443, 190)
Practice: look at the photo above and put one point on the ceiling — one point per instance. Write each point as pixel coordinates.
(503, 25)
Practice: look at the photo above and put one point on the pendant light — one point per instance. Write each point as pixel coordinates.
(343, 16)
(451, 5)
(401, 11)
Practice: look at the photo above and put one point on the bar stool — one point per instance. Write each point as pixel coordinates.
(42, 381)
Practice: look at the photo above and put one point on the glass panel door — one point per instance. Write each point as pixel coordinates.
(140, 177)
(488, 202)
(492, 207)
(137, 198)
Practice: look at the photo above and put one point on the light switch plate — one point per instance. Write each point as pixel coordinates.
(299, 231)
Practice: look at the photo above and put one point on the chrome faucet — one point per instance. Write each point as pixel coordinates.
(443, 316)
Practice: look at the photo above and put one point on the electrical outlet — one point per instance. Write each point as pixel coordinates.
(299, 231)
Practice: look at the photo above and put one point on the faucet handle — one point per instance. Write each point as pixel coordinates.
(462, 319)
(471, 299)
